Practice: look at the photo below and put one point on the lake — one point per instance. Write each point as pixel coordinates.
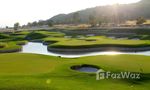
(39, 48)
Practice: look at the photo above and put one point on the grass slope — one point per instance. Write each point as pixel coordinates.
(11, 46)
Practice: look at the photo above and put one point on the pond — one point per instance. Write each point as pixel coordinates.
(88, 69)
(85, 68)
(39, 48)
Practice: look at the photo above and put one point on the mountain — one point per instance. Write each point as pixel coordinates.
(109, 13)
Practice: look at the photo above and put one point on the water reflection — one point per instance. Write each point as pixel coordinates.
(39, 48)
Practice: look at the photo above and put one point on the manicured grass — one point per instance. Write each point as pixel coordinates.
(28, 63)
(97, 41)
(21, 42)
(142, 37)
(35, 35)
(59, 41)
(2, 45)
(20, 71)
(12, 42)
(55, 34)
(38, 72)
(22, 33)
(43, 34)
(17, 36)
(11, 46)
(56, 39)
(3, 36)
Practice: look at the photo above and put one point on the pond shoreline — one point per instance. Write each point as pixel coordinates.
(98, 49)
(11, 51)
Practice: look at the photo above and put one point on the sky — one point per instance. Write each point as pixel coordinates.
(24, 11)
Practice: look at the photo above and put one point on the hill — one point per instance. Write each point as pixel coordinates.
(109, 13)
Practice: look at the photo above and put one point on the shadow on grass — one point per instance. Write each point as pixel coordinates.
(143, 79)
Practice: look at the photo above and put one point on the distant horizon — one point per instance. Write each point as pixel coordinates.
(25, 11)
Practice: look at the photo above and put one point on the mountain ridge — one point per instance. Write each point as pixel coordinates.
(107, 13)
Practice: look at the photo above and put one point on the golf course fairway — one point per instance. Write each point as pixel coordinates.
(20, 71)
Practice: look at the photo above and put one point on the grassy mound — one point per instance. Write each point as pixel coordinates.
(21, 42)
(2, 45)
(11, 47)
(142, 37)
(43, 34)
(55, 34)
(98, 41)
(39, 72)
(21, 33)
(35, 35)
(28, 63)
(4, 36)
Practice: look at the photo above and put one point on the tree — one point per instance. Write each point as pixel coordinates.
(140, 21)
(41, 22)
(99, 22)
(29, 24)
(16, 26)
(34, 23)
(92, 20)
(50, 23)
(7, 27)
(76, 18)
